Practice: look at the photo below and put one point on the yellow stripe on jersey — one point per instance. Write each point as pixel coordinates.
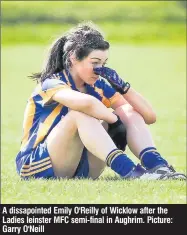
(28, 120)
(37, 171)
(99, 90)
(34, 163)
(35, 167)
(115, 97)
(47, 95)
(104, 100)
(45, 126)
(66, 76)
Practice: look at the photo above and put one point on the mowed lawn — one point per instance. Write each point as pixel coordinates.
(159, 73)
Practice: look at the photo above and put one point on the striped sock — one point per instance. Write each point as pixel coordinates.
(150, 158)
(119, 162)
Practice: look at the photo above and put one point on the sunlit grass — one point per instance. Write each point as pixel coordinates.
(159, 73)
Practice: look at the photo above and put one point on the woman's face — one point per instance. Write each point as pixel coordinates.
(84, 68)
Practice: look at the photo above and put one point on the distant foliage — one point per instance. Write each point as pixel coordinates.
(102, 11)
(122, 21)
(183, 3)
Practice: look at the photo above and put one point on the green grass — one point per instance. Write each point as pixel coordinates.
(159, 73)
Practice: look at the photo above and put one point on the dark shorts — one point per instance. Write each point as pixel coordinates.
(37, 164)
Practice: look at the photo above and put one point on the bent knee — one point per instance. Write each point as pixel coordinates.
(133, 115)
(128, 114)
(78, 115)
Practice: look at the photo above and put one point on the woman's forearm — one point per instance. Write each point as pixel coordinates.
(98, 110)
(141, 105)
(84, 103)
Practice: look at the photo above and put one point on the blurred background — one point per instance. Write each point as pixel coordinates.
(148, 49)
(124, 22)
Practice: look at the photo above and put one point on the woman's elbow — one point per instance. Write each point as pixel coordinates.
(151, 118)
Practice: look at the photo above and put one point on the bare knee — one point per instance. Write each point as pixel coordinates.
(76, 115)
(132, 116)
(128, 115)
(66, 128)
(69, 122)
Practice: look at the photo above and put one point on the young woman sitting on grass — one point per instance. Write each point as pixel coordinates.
(69, 130)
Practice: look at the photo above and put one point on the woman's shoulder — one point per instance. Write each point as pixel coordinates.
(53, 81)
(49, 83)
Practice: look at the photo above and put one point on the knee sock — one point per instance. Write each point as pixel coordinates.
(150, 158)
(119, 162)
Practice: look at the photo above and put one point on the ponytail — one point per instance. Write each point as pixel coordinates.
(54, 62)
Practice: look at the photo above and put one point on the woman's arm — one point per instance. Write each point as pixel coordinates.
(84, 103)
(141, 105)
(136, 100)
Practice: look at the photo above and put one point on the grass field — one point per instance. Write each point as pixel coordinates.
(159, 73)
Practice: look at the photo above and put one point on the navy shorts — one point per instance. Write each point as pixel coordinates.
(37, 164)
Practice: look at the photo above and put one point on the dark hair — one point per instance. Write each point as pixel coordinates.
(80, 40)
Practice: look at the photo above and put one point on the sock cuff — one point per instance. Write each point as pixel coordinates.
(112, 155)
(146, 150)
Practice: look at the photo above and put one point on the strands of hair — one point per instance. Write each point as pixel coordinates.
(80, 41)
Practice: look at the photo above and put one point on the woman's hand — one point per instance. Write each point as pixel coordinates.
(117, 83)
(135, 99)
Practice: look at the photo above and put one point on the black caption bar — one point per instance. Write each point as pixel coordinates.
(45, 219)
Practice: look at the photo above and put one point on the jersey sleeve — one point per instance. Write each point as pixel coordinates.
(109, 94)
(50, 86)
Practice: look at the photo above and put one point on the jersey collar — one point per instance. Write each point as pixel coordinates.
(71, 83)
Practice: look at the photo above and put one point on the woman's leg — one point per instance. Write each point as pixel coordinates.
(138, 134)
(140, 142)
(139, 139)
(66, 141)
(65, 147)
(96, 165)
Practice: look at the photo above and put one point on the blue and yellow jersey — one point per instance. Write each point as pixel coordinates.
(42, 113)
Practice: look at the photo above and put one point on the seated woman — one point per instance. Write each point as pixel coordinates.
(69, 130)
